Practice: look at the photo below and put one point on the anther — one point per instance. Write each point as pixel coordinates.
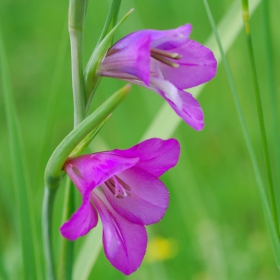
(111, 185)
(124, 185)
(165, 61)
(163, 53)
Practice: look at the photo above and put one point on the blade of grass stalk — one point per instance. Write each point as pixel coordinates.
(228, 28)
(260, 114)
(271, 86)
(260, 185)
(22, 188)
(88, 254)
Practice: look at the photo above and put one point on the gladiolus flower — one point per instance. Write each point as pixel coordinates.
(166, 62)
(123, 187)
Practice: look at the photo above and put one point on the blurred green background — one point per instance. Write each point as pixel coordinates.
(214, 227)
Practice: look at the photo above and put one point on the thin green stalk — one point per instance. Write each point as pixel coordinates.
(263, 196)
(260, 114)
(65, 267)
(77, 11)
(76, 18)
(271, 84)
(47, 212)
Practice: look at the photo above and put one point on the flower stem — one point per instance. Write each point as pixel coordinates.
(77, 11)
(48, 203)
(245, 14)
(65, 267)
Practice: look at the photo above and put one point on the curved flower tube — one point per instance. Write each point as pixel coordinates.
(123, 187)
(166, 62)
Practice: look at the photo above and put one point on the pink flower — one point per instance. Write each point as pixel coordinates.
(167, 62)
(123, 187)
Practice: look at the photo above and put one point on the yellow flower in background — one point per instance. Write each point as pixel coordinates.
(160, 249)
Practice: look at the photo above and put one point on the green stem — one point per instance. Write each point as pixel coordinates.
(48, 204)
(65, 262)
(260, 115)
(77, 11)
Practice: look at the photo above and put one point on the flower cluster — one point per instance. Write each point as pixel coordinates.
(122, 186)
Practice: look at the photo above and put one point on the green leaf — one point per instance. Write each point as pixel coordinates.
(86, 141)
(21, 187)
(111, 19)
(72, 140)
(91, 72)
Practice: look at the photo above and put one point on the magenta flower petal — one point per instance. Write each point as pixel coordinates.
(163, 39)
(124, 242)
(170, 39)
(147, 197)
(82, 221)
(183, 103)
(89, 171)
(197, 65)
(156, 156)
(191, 111)
(132, 59)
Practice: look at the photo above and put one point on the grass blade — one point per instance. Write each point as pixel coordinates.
(260, 114)
(260, 185)
(22, 191)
